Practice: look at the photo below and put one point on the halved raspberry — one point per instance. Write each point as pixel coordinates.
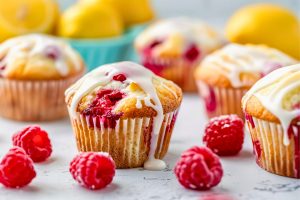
(52, 52)
(155, 66)
(199, 169)
(119, 77)
(224, 135)
(34, 141)
(148, 50)
(210, 101)
(101, 108)
(16, 168)
(249, 119)
(257, 150)
(192, 53)
(93, 170)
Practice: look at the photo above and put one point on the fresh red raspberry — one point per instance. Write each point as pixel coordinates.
(16, 168)
(224, 135)
(199, 169)
(93, 170)
(119, 77)
(34, 141)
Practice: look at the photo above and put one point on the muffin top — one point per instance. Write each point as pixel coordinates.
(276, 97)
(38, 57)
(178, 37)
(240, 66)
(124, 89)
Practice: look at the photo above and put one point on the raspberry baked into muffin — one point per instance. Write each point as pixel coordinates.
(172, 48)
(35, 70)
(125, 110)
(224, 76)
(272, 108)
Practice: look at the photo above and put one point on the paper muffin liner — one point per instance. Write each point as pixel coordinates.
(177, 70)
(270, 151)
(221, 101)
(26, 100)
(128, 143)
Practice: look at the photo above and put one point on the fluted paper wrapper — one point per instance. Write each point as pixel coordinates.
(271, 152)
(182, 73)
(179, 71)
(26, 100)
(221, 101)
(128, 143)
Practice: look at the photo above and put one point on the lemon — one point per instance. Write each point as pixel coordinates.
(90, 19)
(133, 11)
(267, 24)
(26, 16)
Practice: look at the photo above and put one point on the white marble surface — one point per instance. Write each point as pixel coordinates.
(243, 179)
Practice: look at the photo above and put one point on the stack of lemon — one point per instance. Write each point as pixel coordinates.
(85, 19)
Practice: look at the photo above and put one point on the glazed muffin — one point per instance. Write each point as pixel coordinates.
(272, 108)
(35, 70)
(224, 76)
(125, 110)
(172, 48)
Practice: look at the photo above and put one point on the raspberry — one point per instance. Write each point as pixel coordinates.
(52, 52)
(34, 141)
(199, 169)
(16, 168)
(93, 170)
(102, 107)
(224, 135)
(148, 50)
(210, 101)
(192, 53)
(119, 77)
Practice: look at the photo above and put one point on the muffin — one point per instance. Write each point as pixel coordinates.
(125, 110)
(272, 109)
(172, 48)
(224, 76)
(35, 70)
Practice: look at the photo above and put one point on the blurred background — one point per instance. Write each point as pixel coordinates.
(106, 31)
(215, 11)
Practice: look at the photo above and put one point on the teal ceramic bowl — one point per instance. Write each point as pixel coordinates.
(96, 52)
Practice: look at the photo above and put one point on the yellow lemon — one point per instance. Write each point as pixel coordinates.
(133, 11)
(267, 24)
(26, 16)
(90, 19)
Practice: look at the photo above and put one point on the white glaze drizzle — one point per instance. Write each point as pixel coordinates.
(192, 30)
(170, 90)
(102, 76)
(37, 44)
(234, 59)
(284, 80)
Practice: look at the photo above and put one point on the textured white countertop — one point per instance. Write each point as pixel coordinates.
(243, 179)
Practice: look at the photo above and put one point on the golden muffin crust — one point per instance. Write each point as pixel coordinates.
(170, 101)
(168, 93)
(38, 57)
(276, 97)
(240, 66)
(173, 36)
